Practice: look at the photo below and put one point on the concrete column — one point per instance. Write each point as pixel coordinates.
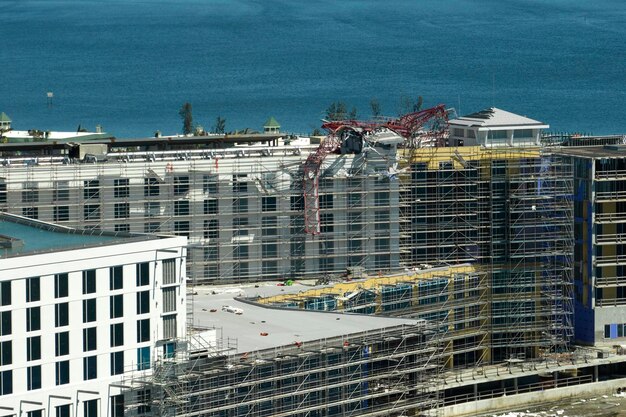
(595, 373)
(515, 384)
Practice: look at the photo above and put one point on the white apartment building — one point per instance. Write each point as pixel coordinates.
(80, 312)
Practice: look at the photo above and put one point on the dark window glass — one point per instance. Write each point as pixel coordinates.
(33, 319)
(89, 310)
(5, 323)
(90, 341)
(6, 382)
(143, 358)
(143, 302)
(117, 406)
(91, 189)
(181, 184)
(116, 278)
(5, 293)
(32, 289)
(143, 274)
(90, 368)
(61, 314)
(151, 187)
(117, 334)
(116, 306)
(61, 213)
(33, 348)
(62, 344)
(143, 330)
(62, 374)
(89, 281)
(33, 377)
(61, 288)
(121, 188)
(6, 353)
(117, 363)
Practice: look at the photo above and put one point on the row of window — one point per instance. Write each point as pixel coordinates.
(61, 282)
(62, 370)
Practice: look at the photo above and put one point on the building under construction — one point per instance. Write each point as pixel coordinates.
(378, 197)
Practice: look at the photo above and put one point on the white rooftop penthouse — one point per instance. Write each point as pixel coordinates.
(494, 127)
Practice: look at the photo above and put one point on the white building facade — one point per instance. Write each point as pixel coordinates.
(81, 313)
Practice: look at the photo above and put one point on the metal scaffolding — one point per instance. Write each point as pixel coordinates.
(391, 371)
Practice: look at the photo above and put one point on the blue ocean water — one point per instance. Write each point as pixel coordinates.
(130, 64)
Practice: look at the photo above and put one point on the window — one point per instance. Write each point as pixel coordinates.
(62, 344)
(6, 353)
(152, 227)
(30, 193)
(117, 406)
(6, 382)
(116, 278)
(117, 363)
(32, 289)
(30, 212)
(33, 377)
(33, 319)
(240, 225)
(326, 201)
(181, 185)
(5, 293)
(121, 210)
(152, 209)
(89, 339)
(89, 310)
(268, 204)
(169, 299)
(381, 198)
(181, 228)
(241, 252)
(91, 212)
(240, 184)
(169, 326)
(269, 226)
(211, 253)
(61, 288)
(143, 302)
(297, 203)
(151, 187)
(181, 208)
(169, 349)
(327, 223)
(5, 323)
(35, 413)
(211, 206)
(61, 213)
(117, 334)
(61, 191)
(122, 227)
(121, 188)
(381, 220)
(269, 250)
(62, 372)
(3, 193)
(143, 274)
(210, 184)
(33, 348)
(89, 281)
(143, 330)
(240, 205)
(90, 368)
(90, 408)
(144, 397)
(211, 229)
(91, 189)
(116, 306)
(62, 314)
(63, 411)
(143, 358)
(169, 271)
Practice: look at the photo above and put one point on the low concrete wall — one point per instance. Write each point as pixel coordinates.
(532, 398)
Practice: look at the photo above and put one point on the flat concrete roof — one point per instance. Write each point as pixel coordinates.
(284, 327)
(22, 236)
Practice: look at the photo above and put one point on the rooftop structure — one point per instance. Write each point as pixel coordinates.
(494, 127)
(271, 126)
(5, 122)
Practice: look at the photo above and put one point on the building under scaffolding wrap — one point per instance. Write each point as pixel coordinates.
(509, 211)
(387, 371)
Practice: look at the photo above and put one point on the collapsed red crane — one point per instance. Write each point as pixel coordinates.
(407, 126)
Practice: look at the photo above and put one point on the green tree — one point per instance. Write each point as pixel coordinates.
(220, 125)
(185, 114)
(336, 111)
(375, 106)
(353, 114)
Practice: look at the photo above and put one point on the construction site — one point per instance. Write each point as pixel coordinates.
(446, 259)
